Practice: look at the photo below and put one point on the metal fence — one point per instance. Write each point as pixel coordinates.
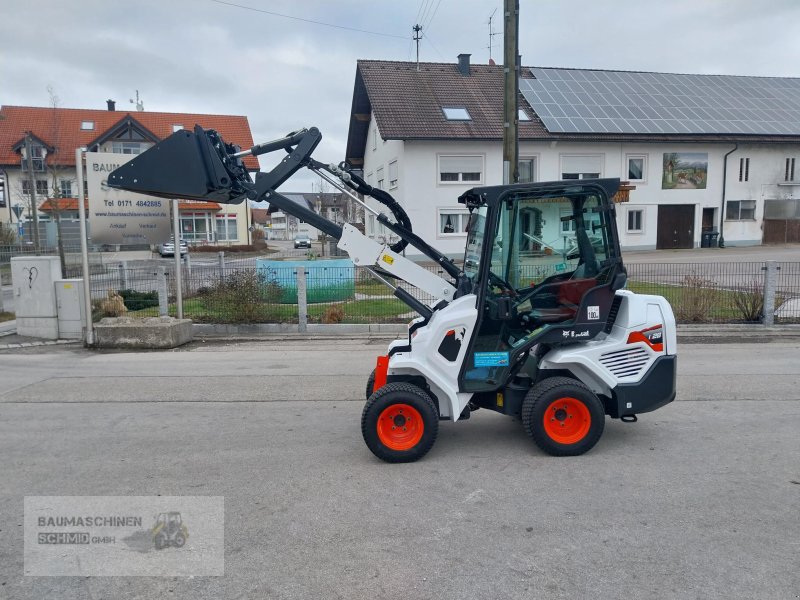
(239, 292)
(72, 260)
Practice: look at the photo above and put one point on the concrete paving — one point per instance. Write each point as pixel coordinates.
(697, 500)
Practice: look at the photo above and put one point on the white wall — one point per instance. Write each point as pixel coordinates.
(423, 196)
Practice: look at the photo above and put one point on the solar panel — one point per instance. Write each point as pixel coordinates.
(578, 101)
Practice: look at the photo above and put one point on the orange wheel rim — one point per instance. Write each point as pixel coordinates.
(400, 427)
(567, 420)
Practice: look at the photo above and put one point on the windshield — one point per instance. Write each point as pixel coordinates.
(475, 233)
(539, 237)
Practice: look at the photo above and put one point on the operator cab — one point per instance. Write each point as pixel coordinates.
(544, 262)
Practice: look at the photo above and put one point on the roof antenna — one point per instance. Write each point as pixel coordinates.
(417, 37)
(139, 104)
(491, 35)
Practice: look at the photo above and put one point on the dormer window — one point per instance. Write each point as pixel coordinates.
(37, 158)
(456, 113)
(87, 125)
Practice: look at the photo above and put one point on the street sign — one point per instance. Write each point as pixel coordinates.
(118, 216)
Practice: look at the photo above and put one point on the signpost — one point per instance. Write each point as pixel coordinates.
(18, 208)
(120, 217)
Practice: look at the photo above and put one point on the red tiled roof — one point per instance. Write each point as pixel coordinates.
(260, 215)
(61, 204)
(61, 128)
(185, 205)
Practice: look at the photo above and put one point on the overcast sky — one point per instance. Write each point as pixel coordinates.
(204, 56)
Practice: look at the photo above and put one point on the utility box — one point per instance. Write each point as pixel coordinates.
(71, 311)
(32, 281)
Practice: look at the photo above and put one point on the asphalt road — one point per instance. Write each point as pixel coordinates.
(698, 500)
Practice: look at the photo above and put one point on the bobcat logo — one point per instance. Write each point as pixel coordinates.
(451, 344)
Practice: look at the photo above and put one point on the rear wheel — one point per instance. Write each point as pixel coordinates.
(563, 416)
(400, 423)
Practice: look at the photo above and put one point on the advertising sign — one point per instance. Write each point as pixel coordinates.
(119, 216)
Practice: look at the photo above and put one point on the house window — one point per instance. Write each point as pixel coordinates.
(87, 125)
(456, 113)
(371, 225)
(126, 147)
(66, 188)
(374, 138)
(393, 174)
(522, 115)
(740, 210)
(196, 227)
(567, 225)
(227, 230)
(37, 156)
(526, 170)
(380, 177)
(41, 187)
(635, 220)
(460, 169)
(636, 168)
(789, 175)
(744, 169)
(453, 222)
(581, 167)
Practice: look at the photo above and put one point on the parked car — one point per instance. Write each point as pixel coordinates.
(168, 248)
(302, 241)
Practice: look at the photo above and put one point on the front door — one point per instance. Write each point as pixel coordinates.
(675, 226)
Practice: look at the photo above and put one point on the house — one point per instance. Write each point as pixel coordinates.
(334, 206)
(57, 132)
(707, 155)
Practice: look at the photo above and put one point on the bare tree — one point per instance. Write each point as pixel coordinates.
(56, 171)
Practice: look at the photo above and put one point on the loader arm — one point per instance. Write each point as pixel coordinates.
(199, 165)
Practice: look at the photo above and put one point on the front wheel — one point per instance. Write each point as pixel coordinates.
(400, 423)
(370, 384)
(563, 416)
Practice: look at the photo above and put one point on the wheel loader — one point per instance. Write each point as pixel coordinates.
(534, 323)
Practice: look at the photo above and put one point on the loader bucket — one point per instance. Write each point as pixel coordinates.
(190, 165)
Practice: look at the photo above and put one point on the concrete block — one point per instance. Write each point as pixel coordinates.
(38, 327)
(153, 332)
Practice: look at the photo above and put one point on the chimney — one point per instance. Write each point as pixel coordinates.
(111, 105)
(463, 64)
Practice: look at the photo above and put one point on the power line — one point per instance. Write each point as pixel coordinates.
(427, 37)
(275, 14)
(435, 10)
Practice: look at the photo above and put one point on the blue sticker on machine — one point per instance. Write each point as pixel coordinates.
(491, 359)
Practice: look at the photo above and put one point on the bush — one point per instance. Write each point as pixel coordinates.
(138, 300)
(333, 314)
(244, 296)
(8, 237)
(697, 300)
(749, 299)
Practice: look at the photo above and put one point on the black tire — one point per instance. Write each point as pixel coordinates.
(160, 542)
(378, 434)
(580, 403)
(179, 541)
(370, 384)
